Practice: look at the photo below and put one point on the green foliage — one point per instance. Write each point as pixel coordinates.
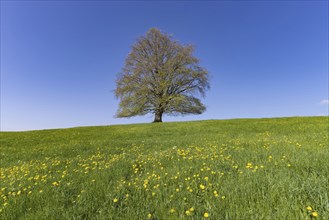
(227, 169)
(160, 76)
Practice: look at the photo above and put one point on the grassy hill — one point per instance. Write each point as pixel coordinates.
(218, 169)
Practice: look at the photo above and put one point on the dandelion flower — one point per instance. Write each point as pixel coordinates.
(172, 211)
(314, 214)
(188, 212)
(202, 186)
(309, 208)
(115, 200)
(191, 209)
(206, 215)
(149, 215)
(249, 165)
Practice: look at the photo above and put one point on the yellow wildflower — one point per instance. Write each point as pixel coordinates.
(188, 212)
(206, 215)
(309, 208)
(314, 214)
(115, 200)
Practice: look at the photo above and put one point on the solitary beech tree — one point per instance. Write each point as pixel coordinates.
(160, 76)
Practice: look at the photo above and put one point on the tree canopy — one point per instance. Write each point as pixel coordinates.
(160, 76)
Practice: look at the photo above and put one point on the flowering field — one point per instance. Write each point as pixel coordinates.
(227, 169)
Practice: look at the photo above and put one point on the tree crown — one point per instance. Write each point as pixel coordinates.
(160, 76)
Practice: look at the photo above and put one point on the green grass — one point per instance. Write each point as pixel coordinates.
(230, 169)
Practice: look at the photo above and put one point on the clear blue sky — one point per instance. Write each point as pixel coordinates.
(59, 59)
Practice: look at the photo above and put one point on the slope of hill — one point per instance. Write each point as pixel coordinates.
(218, 169)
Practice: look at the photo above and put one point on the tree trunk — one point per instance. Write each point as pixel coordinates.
(158, 116)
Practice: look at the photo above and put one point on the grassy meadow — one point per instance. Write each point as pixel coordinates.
(218, 169)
